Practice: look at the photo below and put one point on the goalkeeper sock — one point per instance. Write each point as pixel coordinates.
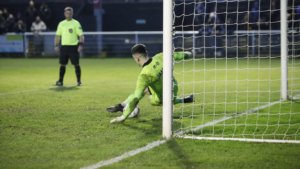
(78, 73)
(62, 71)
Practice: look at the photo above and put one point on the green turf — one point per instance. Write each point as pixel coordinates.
(42, 126)
(195, 154)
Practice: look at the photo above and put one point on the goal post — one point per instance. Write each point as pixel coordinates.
(168, 69)
(244, 74)
(284, 51)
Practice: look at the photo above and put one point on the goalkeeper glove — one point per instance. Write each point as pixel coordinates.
(118, 119)
(188, 55)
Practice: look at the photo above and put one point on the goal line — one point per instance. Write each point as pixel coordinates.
(240, 139)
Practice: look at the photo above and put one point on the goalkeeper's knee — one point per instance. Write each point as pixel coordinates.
(155, 101)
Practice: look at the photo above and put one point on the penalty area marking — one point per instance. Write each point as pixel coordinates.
(125, 155)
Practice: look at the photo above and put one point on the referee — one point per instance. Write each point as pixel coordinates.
(69, 41)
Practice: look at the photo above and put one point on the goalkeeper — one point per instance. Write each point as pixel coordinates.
(149, 81)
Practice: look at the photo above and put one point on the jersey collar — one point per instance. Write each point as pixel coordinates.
(148, 62)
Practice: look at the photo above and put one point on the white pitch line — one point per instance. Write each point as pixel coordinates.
(240, 139)
(125, 155)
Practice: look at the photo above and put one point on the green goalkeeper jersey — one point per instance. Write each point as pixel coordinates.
(151, 78)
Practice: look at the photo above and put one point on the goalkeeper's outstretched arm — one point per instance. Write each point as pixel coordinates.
(182, 55)
(132, 101)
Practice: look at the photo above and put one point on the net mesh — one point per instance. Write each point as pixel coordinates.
(235, 72)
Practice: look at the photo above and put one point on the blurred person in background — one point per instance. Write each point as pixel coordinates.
(31, 12)
(10, 21)
(275, 15)
(36, 27)
(5, 21)
(254, 16)
(200, 10)
(69, 41)
(5, 13)
(291, 18)
(45, 12)
(297, 17)
(20, 26)
(2, 23)
(213, 17)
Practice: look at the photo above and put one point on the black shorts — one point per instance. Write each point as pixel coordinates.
(69, 52)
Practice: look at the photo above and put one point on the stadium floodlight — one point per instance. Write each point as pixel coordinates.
(244, 74)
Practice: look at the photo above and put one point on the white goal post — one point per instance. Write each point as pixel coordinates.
(284, 51)
(168, 68)
(244, 72)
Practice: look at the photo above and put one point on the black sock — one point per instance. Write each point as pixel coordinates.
(62, 71)
(78, 73)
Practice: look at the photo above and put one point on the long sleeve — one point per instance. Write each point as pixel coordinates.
(134, 98)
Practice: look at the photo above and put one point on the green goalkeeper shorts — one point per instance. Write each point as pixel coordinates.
(156, 99)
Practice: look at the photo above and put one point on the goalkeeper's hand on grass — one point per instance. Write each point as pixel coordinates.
(119, 119)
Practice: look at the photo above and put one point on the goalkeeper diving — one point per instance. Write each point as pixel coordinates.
(150, 81)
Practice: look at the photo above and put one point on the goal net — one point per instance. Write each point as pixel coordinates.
(243, 88)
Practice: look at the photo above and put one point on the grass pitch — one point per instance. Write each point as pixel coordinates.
(42, 126)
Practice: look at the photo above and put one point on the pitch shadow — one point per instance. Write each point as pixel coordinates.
(139, 124)
(182, 157)
(142, 125)
(64, 88)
